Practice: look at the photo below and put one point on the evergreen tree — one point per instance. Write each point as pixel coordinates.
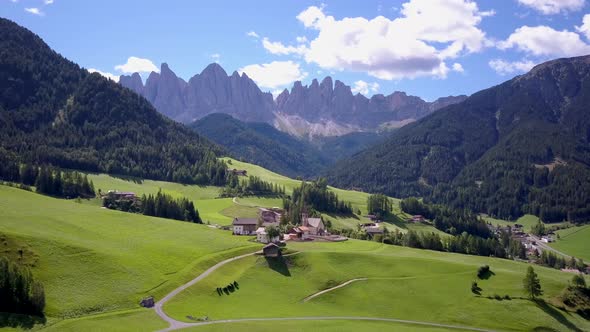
(532, 284)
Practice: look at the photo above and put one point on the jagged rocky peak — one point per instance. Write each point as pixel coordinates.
(132, 82)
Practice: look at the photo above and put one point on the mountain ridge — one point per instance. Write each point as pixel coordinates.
(330, 106)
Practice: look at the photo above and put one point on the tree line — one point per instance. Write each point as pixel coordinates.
(252, 186)
(379, 205)
(313, 198)
(449, 220)
(48, 180)
(20, 292)
(160, 205)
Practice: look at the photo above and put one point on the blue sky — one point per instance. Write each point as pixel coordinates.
(428, 48)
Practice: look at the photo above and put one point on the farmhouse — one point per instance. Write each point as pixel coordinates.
(373, 230)
(314, 225)
(238, 172)
(262, 236)
(270, 217)
(417, 218)
(271, 250)
(244, 226)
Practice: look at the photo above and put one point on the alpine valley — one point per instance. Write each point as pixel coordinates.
(146, 201)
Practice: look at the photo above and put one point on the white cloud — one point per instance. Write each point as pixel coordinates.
(585, 28)
(35, 11)
(275, 74)
(280, 49)
(415, 44)
(252, 34)
(503, 67)
(48, 2)
(545, 41)
(216, 57)
(364, 88)
(301, 39)
(458, 67)
(105, 74)
(550, 7)
(487, 13)
(137, 65)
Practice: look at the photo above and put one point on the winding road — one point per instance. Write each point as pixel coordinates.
(176, 324)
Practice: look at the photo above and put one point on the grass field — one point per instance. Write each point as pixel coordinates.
(107, 182)
(574, 241)
(403, 283)
(93, 260)
(130, 320)
(324, 326)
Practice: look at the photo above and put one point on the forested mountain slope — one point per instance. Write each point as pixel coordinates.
(54, 112)
(519, 147)
(262, 144)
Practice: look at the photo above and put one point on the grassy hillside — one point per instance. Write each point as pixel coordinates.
(92, 259)
(574, 241)
(402, 283)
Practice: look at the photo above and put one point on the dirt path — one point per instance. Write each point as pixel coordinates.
(375, 319)
(175, 324)
(333, 288)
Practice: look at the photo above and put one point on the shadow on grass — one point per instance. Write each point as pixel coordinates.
(486, 275)
(558, 315)
(20, 321)
(278, 264)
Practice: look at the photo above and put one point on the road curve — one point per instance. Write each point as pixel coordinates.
(175, 324)
(376, 319)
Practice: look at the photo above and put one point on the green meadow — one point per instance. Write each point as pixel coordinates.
(94, 260)
(402, 283)
(574, 241)
(315, 325)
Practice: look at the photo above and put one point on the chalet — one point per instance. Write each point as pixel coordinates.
(262, 236)
(374, 230)
(299, 233)
(270, 217)
(314, 225)
(547, 239)
(417, 218)
(238, 172)
(271, 250)
(244, 226)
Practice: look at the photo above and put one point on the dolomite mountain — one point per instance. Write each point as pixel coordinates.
(320, 109)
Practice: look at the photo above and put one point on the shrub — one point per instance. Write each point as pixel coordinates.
(483, 271)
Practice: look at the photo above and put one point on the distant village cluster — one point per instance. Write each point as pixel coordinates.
(311, 228)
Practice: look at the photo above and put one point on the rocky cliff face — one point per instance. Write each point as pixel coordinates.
(325, 102)
(328, 107)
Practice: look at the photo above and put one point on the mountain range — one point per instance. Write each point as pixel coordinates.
(320, 109)
(520, 147)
